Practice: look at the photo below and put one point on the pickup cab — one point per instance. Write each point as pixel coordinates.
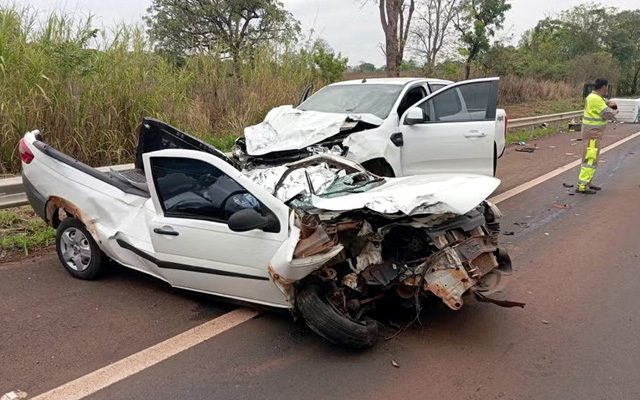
(392, 126)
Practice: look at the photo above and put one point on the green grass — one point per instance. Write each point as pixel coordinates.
(22, 231)
(527, 134)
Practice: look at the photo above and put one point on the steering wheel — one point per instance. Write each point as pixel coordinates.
(223, 205)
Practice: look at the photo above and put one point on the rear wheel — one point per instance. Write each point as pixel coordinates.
(77, 251)
(327, 322)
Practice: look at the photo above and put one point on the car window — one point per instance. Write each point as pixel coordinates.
(412, 96)
(189, 188)
(361, 98)
(448, 107)
(436, 86)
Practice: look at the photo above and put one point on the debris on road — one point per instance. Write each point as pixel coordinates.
(526, 149)
(521, 224)
(546, 233)
(569, 154)
(562, 206)
(552, 147)
(508, 233)
(544, 321)
(395, 364)
(14, 395)
(567, 185)
(522, 143)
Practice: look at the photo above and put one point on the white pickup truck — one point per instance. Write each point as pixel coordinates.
(392, 126)
(321, 237)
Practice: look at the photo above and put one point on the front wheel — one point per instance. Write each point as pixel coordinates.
(327, 322)
(77, 251)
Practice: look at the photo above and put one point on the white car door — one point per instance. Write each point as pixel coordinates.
(452, 132)
(194, 195)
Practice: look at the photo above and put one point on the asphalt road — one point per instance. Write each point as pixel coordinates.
(578, 337)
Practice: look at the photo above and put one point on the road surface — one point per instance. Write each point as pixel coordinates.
(576, 260)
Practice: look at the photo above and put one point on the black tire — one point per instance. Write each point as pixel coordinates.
(77, 250)
(324, 320)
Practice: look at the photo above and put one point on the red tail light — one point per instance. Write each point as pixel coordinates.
(25, 154)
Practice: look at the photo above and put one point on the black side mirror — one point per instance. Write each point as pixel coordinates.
(248, 219)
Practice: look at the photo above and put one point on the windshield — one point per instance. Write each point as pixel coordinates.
(359, 98)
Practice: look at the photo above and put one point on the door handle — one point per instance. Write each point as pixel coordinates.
(475, 133)
(397, 139)
(168, 232)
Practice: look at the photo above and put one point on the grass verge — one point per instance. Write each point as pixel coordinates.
(22, 233)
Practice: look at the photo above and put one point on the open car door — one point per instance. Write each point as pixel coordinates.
(451, 130)
(213, 230)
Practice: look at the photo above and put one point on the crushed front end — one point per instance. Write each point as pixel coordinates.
(360, 241)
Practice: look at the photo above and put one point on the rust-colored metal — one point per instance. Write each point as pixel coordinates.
(316, 243)
(58, 203)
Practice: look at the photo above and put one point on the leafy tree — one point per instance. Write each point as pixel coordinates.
(477, 22)
(329, 66)
(624, 44)
(228, 27)
(365, 67)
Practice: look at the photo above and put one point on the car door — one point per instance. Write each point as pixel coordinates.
(456, 132)
(194, 194)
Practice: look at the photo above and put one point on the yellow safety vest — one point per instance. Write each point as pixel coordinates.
(594, 105)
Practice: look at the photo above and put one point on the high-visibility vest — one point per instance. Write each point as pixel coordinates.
(594, 105)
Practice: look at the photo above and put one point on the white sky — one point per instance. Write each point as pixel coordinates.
(349, 26)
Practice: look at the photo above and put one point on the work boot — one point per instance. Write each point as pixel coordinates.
(594, 187)
(586, 191)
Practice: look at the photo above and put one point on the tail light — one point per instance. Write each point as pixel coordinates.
(25, 154)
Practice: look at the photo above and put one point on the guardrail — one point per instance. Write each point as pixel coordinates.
(12, 193)
(531, 121)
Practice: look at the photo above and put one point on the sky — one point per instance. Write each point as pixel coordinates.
(349, 26)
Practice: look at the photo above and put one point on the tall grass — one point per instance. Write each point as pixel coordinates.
(87, 89)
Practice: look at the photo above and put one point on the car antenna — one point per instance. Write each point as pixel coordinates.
(364, 80)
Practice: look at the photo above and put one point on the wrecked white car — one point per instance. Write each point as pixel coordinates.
(322, 236)
(392, 126)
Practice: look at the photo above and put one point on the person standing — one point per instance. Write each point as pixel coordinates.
(597, 111)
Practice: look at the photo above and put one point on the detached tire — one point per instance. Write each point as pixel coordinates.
(324, 320)
(77, 251)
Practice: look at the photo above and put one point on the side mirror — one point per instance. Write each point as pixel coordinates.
(414, 116)
(246, 220)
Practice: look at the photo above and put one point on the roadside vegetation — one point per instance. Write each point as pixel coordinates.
(22, 233)
(86, 89)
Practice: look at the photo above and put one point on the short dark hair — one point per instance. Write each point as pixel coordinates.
(601, 82)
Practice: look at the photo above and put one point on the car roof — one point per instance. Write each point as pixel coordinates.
(390, 81)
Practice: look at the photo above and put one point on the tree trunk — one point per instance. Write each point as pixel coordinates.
(467, 69)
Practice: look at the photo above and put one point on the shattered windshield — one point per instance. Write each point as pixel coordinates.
(360, 98)
(296, 185)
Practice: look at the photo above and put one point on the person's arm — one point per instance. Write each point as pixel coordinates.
(610, 109)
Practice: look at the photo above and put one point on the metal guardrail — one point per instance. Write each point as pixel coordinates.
(531, 121)
(12, 193)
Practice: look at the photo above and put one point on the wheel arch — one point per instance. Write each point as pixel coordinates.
(379, 166)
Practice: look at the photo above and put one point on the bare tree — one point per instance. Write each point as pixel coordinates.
(395, 17)
(432, 29)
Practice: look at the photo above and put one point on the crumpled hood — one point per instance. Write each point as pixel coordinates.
(287, 128)
(420, 194)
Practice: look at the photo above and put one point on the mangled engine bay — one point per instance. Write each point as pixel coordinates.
(378, 242)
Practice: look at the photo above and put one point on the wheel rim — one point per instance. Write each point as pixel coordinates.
(75, 249)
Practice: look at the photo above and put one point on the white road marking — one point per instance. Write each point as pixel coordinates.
(549, 175)
(112, 373)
